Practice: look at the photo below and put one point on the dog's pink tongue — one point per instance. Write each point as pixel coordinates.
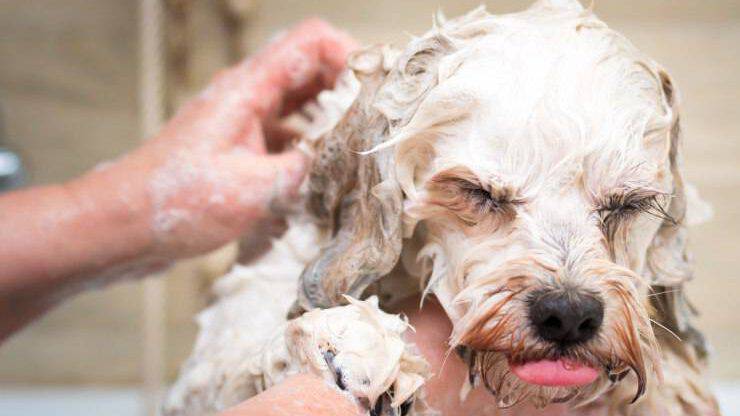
(557, 373)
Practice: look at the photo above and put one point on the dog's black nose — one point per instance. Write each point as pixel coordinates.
(566, 317)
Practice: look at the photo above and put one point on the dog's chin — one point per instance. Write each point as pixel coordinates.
(537, 381)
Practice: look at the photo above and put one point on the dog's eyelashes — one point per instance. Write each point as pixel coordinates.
(617, 208)
(483, 201)
(478, 204)
(461, 192)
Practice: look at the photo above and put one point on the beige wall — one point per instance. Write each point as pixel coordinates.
(67, 90)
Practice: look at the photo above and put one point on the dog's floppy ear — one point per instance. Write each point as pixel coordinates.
(352, 188)
(353, 197)
(667, 255)
(668, 259)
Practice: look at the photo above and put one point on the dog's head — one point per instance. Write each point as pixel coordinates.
(534, 159)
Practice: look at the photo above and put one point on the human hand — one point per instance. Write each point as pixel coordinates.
(209, 176)
(212, 173)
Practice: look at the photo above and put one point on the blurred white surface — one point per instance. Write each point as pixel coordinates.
(62, 401)
(128, 402)
(729, 398)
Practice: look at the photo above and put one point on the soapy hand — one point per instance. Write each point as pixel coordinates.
(213, 173)
(214, 170)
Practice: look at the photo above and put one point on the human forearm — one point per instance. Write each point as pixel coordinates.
(206, 179)
(57, 238)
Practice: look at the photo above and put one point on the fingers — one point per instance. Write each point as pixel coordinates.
(297, 66)
(293, 68)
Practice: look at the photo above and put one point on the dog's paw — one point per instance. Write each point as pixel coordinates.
(359, 347)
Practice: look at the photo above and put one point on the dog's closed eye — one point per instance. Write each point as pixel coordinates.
(619, 207)
(461, 192)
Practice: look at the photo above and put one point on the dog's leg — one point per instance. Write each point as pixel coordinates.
(242, 351)
(357, 347)
(250, 303)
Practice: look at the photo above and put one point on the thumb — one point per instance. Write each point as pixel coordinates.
(268, 181)
(290, 168)
(272, 180)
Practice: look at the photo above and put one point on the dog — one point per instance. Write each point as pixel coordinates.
(525, 170)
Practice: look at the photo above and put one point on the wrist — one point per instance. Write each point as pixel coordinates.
(114, 215)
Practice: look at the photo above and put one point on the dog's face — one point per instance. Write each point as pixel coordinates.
(535, 158)
(540, 176)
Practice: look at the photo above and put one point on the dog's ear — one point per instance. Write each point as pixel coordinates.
(352, 188)
(668, 259)
(667, 255)
(353, 197)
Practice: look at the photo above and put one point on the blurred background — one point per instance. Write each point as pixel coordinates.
(68, 101)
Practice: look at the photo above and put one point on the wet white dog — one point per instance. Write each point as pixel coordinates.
(525, 170)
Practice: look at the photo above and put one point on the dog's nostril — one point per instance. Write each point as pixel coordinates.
(553, 322)
(565, 317)
(586, 325)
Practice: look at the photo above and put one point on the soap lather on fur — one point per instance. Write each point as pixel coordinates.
(525, 170)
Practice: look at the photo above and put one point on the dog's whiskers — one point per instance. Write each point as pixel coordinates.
(659, 325)
(663, 293)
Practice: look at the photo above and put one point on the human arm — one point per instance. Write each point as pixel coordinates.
(300, 395)
(204, 180)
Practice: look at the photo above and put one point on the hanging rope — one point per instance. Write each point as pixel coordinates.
(152, 109)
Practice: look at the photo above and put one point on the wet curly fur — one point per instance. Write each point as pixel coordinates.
(498, 157)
